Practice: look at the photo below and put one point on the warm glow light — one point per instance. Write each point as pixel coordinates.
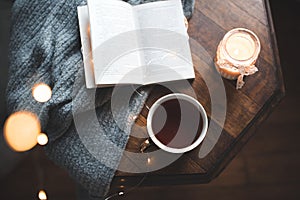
(89, 29)
(186, 23)
(42, 139)
(41, 92)
(42, 195)
(21, 130)
(240, 46)
(149, 160)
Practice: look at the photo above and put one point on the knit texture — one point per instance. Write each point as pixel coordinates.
(45, 47)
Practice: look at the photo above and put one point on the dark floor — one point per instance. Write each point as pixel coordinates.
(267, 167)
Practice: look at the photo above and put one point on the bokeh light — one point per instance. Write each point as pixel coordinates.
(21, 130)
(42, 139)
(42, 195)
(41, 92)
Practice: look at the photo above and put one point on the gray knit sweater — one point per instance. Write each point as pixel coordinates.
(45, 47)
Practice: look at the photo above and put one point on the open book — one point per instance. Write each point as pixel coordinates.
(142, 44)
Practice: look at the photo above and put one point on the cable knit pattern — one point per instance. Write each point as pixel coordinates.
(45, 47)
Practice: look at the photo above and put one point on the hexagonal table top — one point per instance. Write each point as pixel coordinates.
(233, 114)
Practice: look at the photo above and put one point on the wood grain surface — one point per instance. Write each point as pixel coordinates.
(245, 108)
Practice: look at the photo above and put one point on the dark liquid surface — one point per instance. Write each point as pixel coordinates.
(177, 123)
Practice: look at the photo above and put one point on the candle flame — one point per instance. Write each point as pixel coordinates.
(236, 52)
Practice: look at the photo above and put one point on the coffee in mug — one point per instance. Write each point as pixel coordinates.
(177, 123)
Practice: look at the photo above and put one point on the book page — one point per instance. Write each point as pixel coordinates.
(164, 40)
(166, 15)
(113, 43)
(84, 23)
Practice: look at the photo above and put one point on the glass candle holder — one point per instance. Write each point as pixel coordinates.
(237, 54)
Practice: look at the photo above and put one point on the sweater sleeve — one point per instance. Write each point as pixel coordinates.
(45, 48)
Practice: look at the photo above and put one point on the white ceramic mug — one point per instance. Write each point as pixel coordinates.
(177, 123)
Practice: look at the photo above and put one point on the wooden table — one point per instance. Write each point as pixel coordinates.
(245, 109)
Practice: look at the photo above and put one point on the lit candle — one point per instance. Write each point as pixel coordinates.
(240, 46)
(237, 54)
